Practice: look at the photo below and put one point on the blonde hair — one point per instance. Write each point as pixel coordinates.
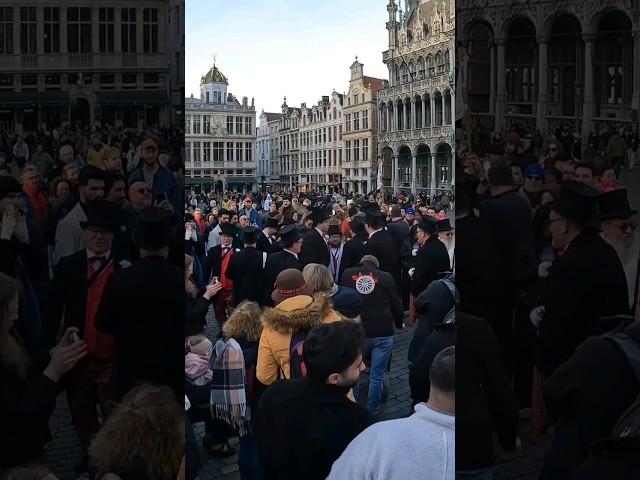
(189, 287)
(244, 321)
(145, 436)
(318, 277)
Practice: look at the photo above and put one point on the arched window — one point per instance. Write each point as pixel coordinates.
(421, 67)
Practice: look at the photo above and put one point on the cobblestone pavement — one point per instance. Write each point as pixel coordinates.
(397, 405)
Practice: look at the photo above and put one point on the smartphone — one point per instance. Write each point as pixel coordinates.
(73, 338)
(214, 280)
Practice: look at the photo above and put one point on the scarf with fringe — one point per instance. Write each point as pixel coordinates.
(228, 396)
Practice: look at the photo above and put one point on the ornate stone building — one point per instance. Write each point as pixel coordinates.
(220, 138)
(360, 131)
(267, 150)
(288, 149)
(321, 145)
(540, 64)
(87, 62)
(415, 106)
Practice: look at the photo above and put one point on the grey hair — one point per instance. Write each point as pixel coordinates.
(370, 259)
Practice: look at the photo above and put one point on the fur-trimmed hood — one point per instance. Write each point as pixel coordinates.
(297, 312)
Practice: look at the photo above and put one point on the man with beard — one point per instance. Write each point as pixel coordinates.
(315, 248)
(65, 157)
(246, 269)
(446, 236)
(289, 246)
(380, 243)
(620, 230)
(336, 250)
(267, 237)
(312, 418)
(585, 284)
(531, 190)
(69, 234)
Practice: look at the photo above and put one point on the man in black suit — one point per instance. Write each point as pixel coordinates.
(216, 265)
(143, 308)
(315, 248)
(267, 237)
(432, 257)
(78, 286)
(354, 247)
(380, 243)
(290, 244)
(246, 270)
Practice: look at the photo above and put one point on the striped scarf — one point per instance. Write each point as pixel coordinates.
(228, 396)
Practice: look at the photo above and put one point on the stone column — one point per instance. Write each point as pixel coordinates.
(541, 109)
(414, 176)
(424, 112)
(394, 173)
(635, 99)
(444, 116)
(492, 78)
(139, 30)
(433, 174)
(393, 123)
(588, 106)
(95, 30)
(413, 124)
(432, 109)
(501, 77)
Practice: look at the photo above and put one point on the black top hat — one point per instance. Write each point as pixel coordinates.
(615, 204)
(272, 222)
(228, 229)
(250, 234)
(429, 225)
(444, 225)
(288, 235)
(319, 215)
(334, 230)
(371, 209)
(188, 217)
(155, 230)
(576, 201)
(102, 214)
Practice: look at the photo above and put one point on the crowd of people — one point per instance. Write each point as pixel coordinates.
(547, 253)
(307, 292)
(91, 300)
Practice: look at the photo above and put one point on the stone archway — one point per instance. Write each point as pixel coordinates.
(387, 167)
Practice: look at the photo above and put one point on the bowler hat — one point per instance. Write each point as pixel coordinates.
(290, 283)
(334, 230)
(155, 230)
(272, 222)
(288, 235)
(428, 224)
(615, 204)
(101, 214)
(444, 225)
(576, 201)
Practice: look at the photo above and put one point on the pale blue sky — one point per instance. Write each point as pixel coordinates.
(272, 48)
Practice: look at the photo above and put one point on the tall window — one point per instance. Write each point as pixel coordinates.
(365, 149)
(128, 26)
(229, 151)
(230, 125)
(79, 30)
(248, 152)
(106, 30)
(206, 126)
(356, 121)
(356, 150)
(238, 125)
(28, 25)
(187, 122)
(196, 125)
(347, 120)
(150, 30)
(206, 155)
(365, 120)
(324, 135)
(347, 145)
(247, 126)
(6, 30)
(197, 153)
(238, 151)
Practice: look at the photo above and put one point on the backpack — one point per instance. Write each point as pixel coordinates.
(628, 425)
(297, 368)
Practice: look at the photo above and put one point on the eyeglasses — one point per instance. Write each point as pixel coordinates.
(623, 227)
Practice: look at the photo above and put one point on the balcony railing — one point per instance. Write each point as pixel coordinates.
(83, 60)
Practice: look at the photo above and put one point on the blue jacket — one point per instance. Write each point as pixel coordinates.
(254, 217)
(163, 181)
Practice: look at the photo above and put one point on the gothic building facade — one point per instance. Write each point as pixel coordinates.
(541, 64)
(415, 105)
